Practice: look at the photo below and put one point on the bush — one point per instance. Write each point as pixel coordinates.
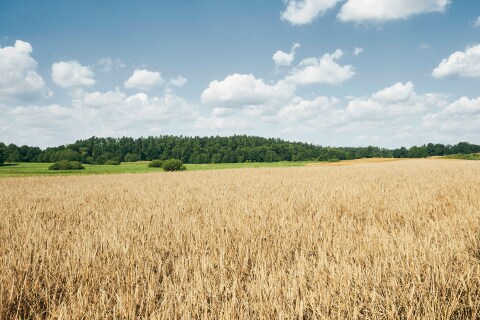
(112, 163)
(66, 165)
(173, 165)
(156, 164)
(132, 157)
(2, 153)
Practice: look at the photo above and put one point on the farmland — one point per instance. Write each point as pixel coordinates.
(371, 240)
(41, 169)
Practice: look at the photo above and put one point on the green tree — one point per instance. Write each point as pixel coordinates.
(132, 157)
(66, 165)
(173, 165)
(156, 164)
(2, 153)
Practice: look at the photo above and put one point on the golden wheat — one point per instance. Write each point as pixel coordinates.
(368, 241)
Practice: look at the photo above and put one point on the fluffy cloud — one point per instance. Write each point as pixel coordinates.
(19, 79)
(388, 104)
(476, 24)
(305, 11)
(299, 109)
(461, 63)
(99, 99)
(397, 93)
(221, 112)
(144, 80)
(285, 59)
(109, 113)
(383, 10)
(322, 70)
(357, 51)
(231, 123)
(72, 74)
(300, 12)
(179, 81)
(464, 106)
(458, 119)
(397, 100)
(240, 90)
(107, 64)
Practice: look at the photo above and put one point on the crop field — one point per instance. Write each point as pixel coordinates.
(41, 169)
(376, 240)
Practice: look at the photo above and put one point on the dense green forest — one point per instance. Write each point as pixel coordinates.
(239, 148)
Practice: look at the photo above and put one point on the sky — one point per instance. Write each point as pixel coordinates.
(388, 73)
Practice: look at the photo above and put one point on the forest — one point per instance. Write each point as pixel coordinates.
(214, 149)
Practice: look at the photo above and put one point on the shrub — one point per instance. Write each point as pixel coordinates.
(112, 163)
(66, 165)
(156, 164)
(2, 153)
(173, 165)
(132, 157)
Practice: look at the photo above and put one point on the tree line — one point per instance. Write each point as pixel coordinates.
(215, 149)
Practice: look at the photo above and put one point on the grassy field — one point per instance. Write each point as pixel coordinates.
(41, 169)
(473, 156)
(386, 240)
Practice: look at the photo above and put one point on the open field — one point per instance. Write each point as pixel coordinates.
(41, 169)
(472, 156)
(350, 162)
(367, 241)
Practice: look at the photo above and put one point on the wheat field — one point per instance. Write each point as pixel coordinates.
(394, 240)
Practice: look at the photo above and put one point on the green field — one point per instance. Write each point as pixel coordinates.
(41, 169)
(472, 156)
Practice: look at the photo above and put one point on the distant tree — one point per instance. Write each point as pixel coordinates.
(215, 149)
(400, 153)
(66, 165)
(156, 164)
(173, 165)
(418, 152)
(2, 153)
(132, 157)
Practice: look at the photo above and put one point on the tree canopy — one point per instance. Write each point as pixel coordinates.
(215, 149)
(2, 153)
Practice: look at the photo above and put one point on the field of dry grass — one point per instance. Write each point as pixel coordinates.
(369, 241)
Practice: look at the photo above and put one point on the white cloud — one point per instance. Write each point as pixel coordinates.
(464, 106)
(285, 59)
(144, 80)
(107, 64)
(397, 93)
(385, 107)
(458, 119)
(461, 63)
(397, 100)
(240, 90)
(19, 79)
(425, 46)
(99, 99)
(179, 81)
(384, 10)
(230, 123)
(322, 70)
(72, 74)
(305, 11)
(221, 112)
(357, 51)
(109, 113)
(300, 109)
(476, 24)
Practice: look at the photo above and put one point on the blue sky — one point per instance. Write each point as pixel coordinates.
(331, 72)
